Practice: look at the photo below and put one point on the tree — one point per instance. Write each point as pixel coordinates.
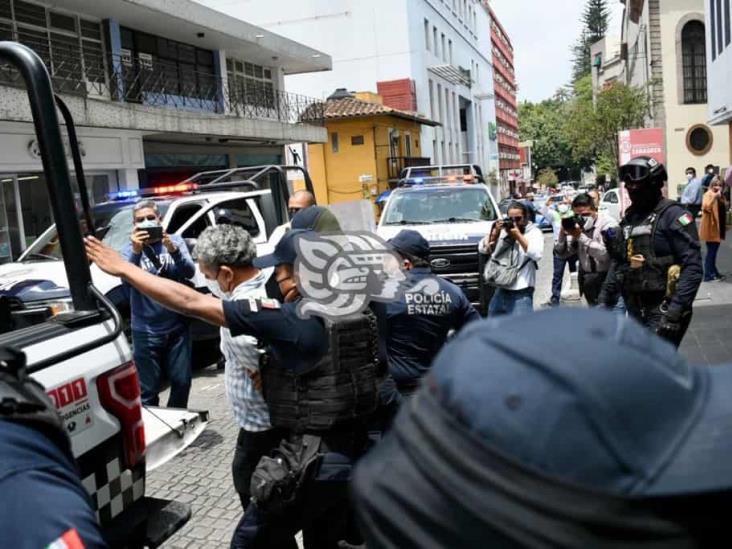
(591, 128)
(542, 124)
(547, 178)
(595, 21)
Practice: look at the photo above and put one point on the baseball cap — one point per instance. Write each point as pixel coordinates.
(592, 399)
(315, 218)
(411, 243)
(285, 251)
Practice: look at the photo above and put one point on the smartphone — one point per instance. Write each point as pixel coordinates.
(154, 234)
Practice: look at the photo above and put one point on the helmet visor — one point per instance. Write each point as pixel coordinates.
(634, 173)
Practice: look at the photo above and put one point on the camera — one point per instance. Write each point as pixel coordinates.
(569, 223)
(508, 223)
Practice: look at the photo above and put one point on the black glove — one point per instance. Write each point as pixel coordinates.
(670, 325)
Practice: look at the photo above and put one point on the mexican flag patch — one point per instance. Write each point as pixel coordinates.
(686, 219)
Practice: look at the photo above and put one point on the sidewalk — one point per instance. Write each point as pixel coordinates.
(709, 340)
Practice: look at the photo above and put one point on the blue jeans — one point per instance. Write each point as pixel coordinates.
(169, 353)
(512, 302)
(710, 262)
(559, 265)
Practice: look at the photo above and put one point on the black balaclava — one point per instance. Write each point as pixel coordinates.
(645, 198)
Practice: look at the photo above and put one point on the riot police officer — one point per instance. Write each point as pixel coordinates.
(656, 257)
(43, 501)
(319, 381)
(418, 322)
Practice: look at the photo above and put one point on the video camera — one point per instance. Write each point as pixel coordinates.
(569, 223)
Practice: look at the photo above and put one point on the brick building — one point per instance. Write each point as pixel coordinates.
(504, 82)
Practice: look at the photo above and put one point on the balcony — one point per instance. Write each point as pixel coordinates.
(396, 164)
(155, 83)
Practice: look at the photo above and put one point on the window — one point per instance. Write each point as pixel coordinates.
(357, 140)
(426, 35)
(611, 197)
(407, 145)
(699, 140)
(444, 49)
(432, 100)
(694, 61)
(449, 47)
(250, 84)
(434, 41)
(236, 212)
(196, 228)
(334, 142)
(182, 213)
(441, 115)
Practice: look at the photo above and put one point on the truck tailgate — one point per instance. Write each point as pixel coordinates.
(169, 431)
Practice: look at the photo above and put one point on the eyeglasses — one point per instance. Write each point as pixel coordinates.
(517, 218)
(151, 217)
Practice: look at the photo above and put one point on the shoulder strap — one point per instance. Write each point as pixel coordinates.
(152, 256)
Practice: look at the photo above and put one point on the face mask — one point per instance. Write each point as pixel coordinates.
(689, 177)
(148, 224)
(589, 222)
(215, 289)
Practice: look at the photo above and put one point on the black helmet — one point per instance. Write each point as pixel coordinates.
(644, 169)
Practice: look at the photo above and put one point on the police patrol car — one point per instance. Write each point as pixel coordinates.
(253, 197)
(453, 210)
(84, 362)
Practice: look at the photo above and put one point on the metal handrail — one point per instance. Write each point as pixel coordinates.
(160, 84)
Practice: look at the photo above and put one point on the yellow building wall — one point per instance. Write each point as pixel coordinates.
(336, 175)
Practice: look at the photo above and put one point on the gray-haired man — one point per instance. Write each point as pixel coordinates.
(225, 255)
(160, 337)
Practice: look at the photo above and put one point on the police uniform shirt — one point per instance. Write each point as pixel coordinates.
(677, 236)
(294, 342)
(43, 501)
(418, 324)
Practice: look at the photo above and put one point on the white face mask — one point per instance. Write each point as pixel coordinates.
(589, 223)
(689, 177)
(215, 289)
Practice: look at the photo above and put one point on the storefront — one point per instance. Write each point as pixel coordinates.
(111, 160)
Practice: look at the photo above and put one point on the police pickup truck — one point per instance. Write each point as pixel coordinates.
(453, 212)
(253, 197)
(83, 360)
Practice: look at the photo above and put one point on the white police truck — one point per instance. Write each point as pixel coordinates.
(453, 210)
(81, 357)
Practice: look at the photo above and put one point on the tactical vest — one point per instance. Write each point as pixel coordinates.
(639, 240)
(342, 386)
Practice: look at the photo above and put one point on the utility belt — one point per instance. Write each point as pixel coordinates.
(653, 276)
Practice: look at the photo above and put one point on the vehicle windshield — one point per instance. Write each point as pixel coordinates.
(113, 220)
(435, 205)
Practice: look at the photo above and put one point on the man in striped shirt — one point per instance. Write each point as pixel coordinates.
(225, 254)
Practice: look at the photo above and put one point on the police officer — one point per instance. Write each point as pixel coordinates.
(418, 322)
(656, 257)
(320, 383)
(43, 501)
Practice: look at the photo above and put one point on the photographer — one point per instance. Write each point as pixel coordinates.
(581, 235)
(160, 338)
(515, 246)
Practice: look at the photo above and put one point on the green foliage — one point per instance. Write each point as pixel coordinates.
(547, 178)
(542, 124)
(595, 21)
(592, 129)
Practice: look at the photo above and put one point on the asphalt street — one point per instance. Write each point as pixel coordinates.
(201, 475)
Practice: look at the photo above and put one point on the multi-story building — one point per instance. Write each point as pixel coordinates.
(429, 56)
(504, 84)
(663, 49)
(719, 68)
(159, 89)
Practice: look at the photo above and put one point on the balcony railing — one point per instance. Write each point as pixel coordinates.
(396, 164)
(168, 85)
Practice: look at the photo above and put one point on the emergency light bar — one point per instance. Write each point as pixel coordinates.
(438, 180)
(154, 191)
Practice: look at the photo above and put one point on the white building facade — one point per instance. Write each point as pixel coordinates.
(442, 46)
(719, 66)
(159, 90)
